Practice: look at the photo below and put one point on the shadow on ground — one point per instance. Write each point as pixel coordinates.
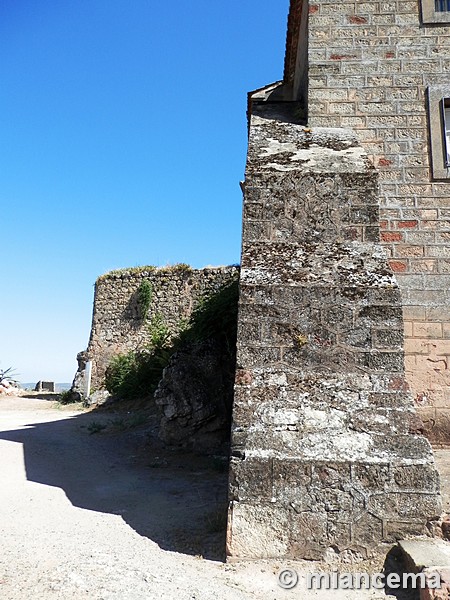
(173, 498)
(41, 395)
(394, 563)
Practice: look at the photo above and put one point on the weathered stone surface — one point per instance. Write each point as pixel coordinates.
(45, 386)
(98, 398)
(79, 380)
(422, 554)
(322, 418)
(195, 395)
(117, 323)
(441, 593)
(376, 68)
(432, 558)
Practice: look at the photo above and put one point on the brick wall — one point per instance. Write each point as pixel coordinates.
(369, 67)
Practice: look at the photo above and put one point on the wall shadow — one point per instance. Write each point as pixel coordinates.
(41, 395)
(173, 498)
(394, 563)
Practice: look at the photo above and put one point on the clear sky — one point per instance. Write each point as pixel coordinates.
(122, 143)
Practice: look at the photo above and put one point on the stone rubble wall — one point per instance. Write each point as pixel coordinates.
(324, 446)
(117, 325)
(370, 64)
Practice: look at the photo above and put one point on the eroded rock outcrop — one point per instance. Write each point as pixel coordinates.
(196, 395)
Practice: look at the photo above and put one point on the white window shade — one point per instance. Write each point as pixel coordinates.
(439, 127)
(446, 129)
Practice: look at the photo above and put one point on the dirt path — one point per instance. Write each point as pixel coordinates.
(108, 516)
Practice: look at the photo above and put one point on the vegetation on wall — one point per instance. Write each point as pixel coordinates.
(136, 374)
(144, 298)
(145, 270)
(215, 317)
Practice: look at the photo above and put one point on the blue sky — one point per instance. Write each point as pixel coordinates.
(122, 143)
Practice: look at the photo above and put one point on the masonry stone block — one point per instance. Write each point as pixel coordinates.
(321, 438)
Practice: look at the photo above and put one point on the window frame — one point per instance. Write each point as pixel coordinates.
(430, 15)
(445, 103)
(439, 127)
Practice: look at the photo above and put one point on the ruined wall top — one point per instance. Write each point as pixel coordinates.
(117, 323)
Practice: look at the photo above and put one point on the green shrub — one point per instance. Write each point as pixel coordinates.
(144, 298)
(215, 317)
(8, 375)
(159, 333)
(122, 374)
(95, 427)
(68, 397)
(136, 374)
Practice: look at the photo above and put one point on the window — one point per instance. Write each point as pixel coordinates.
(445, 115)
(442, 5)
(439, 123)
(435, 11)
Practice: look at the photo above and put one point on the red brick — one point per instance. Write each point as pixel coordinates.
(398, 383)
(342, 56)
(398, 266)
(389, 55)
(358, 20)
(384, 224)
(384, 162)
(391, 236)
(313, 9)
(407, 224)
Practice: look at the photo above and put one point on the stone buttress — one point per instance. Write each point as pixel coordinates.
(326, 449)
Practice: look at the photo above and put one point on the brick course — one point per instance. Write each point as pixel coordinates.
(369, 66)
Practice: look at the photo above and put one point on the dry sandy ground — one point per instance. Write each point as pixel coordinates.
(114, 516)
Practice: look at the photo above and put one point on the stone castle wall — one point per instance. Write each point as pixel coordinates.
(370, 64)
(325, 452)
(117, 323)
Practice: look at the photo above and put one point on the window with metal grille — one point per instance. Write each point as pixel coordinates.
(442, 5)
(445, 115)
(439, 127)
(435, 11)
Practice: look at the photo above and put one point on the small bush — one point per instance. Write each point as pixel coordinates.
(159, 333)
(122, 374)
(8, 375)
(68, 397)
(144, 298)
(95, 427)
(136, 374)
